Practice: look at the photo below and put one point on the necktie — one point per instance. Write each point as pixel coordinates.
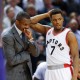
(24, 42)
(23, 37)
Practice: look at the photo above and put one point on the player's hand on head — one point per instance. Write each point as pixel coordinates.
(49, 12)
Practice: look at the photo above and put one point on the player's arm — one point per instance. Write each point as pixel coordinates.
(79, 70)
(72, 41)
(40, 28)
(39, 17)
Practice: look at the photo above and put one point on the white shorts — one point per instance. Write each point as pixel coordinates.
(58, 74)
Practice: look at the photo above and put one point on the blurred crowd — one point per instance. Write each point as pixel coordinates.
(71, 10)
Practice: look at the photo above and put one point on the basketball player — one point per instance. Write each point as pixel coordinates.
(61, 47)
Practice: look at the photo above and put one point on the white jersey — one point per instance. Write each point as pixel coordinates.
(57, 50)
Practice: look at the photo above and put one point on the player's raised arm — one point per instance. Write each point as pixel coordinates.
(37, 18)
(40, 28)
(37, 26)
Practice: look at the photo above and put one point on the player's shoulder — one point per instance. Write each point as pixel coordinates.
(70, 33)
(71, 36)
(66, 29)
(49, 29)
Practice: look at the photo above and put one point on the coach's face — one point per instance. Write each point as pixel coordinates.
(24, 24)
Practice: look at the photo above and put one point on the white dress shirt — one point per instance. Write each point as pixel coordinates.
(18, 30)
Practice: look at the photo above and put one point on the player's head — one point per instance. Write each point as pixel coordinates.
(56, 16)
(23, 21)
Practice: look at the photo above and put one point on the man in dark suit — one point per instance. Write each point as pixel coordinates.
(18, 47)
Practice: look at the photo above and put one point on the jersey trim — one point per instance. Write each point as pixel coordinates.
(58, 33)
(66, 38)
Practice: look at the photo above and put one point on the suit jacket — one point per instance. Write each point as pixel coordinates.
(18, 65)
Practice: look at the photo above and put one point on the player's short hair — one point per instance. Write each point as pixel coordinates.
(22, 15)
(56, 11)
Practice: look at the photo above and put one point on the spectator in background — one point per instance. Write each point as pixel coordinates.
(19, 3)
(47, 6)
(40, 71)
(8, 21)
(39, 4)
(30, 9)
(42, 56)
(13, 3)
(41, 43)
(26, 2)
(73, 15)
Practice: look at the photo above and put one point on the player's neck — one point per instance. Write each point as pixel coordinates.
(57, 31)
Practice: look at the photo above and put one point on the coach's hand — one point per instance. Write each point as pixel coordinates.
(28, 33)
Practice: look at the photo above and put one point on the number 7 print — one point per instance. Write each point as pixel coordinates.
(53, 47)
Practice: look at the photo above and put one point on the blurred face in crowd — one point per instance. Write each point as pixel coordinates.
(73, 15)
(73, 25)
(18, 1)
(23, 24)
(41, 43)
(13, 2)
(11, 13)
(57, 21)
(31, 1)
(31, 11)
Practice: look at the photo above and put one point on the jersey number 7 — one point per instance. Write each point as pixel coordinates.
(53, 47)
